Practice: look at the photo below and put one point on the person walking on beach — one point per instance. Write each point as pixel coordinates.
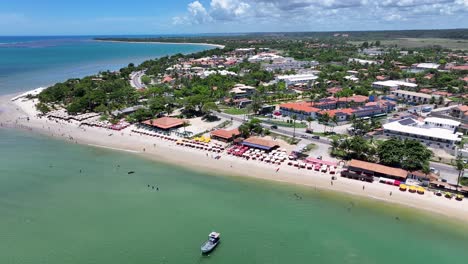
(363, 187)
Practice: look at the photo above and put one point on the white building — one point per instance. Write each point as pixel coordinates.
(241, 90)
(420, 67)
(297, 78)
(393, 85)
(261, 57)
(430, 134)
(205, 74)
(363, 62)
(414, 97)
(436, 122)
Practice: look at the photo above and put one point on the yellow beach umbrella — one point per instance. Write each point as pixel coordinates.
(421, 190)
(412, 189)
(403, 187)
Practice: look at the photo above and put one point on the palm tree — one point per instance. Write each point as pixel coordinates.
(334, 121)
(294, 117)
(324, 119)
(309, 119)
(460, 167)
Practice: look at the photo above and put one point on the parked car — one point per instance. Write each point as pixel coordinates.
(304, 136)
(274, 127)
(316, 137)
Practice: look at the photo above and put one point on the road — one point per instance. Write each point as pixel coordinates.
(135, 80)
(446, 171)
(281, 130)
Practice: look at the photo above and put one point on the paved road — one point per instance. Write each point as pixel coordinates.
(135, 80)
(446, 171)
(281, 130)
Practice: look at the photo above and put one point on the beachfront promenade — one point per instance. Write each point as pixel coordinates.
(162, 149)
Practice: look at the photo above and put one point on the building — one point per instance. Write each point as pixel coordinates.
(362, 170)
(392, 85)
(242, 91)
(164, 123)
(414, 97)
(264, 56)
(260, 143)
(420, 67)
(435, 132)
(302, 110)
(297, 78)
(362, 62)
(460, 112)
(287, 64)
(225, 135)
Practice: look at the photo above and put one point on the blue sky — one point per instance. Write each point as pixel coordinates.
(85, 17)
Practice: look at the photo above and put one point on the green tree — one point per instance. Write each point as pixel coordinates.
(294, 118)
(460, 168)
(145, 79)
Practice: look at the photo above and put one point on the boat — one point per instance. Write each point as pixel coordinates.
(211, 243)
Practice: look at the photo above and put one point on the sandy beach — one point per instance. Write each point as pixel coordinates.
(21, 114)
(172, 43)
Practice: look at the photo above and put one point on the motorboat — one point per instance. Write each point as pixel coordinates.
(211, 243)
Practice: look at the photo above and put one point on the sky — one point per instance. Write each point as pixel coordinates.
(114, 17)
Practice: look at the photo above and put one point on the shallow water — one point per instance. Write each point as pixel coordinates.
(30, 62)
(52, 213)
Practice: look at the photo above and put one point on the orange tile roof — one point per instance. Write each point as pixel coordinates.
(396, 172)
(226, 134)
(301, 106)
(164, 122)
(332, 113)
(354, 98)
(463, 108)
(261, 142)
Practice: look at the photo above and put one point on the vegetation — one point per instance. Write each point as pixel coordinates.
(408, 154)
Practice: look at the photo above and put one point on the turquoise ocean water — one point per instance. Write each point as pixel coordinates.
(30, 62)
(52, 213)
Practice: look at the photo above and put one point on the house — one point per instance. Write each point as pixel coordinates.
(414, 97)
(391, 85)
(362, 170)
(164, 123)
(242, 91)
(433, 132)
(362, 62)
(460, 112)
(225, 135)
(302, 110)
(420, 67)
(297, 78)
(260, 143)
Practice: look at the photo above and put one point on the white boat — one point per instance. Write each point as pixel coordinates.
(211, 243)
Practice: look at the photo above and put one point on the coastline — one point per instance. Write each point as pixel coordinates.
(14, 115)
(162, 42)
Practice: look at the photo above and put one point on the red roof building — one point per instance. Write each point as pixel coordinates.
(164, 123)
(225, 135)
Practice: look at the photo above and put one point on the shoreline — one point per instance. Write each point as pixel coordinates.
(162, 42)
(14, 115)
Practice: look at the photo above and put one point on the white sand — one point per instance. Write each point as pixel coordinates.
(172, 43)
(13, 114)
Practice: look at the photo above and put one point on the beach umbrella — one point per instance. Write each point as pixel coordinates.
(421, 190)
(412, 189)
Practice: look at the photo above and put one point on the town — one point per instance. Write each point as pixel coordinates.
(362, 110)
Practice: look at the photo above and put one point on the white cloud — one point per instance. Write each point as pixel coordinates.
(322, 14)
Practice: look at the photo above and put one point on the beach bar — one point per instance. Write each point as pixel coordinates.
(164, 123)
(225, 135)
(366, 171)
(260, 143)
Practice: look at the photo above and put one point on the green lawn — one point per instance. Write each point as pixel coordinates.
(235, 111)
